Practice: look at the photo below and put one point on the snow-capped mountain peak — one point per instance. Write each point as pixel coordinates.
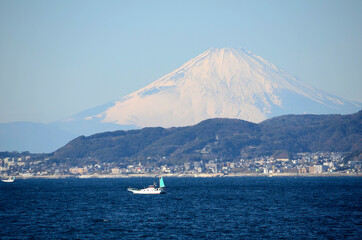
(223, 83)
(220, 82)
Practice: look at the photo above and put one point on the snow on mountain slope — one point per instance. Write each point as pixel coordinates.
(227, 83)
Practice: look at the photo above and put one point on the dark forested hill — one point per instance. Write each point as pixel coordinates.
(221, 138)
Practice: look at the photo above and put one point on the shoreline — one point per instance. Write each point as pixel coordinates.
(200, 175)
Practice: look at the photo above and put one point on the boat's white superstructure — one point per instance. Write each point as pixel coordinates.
(149, 190)
(152, 189)
(10, 179)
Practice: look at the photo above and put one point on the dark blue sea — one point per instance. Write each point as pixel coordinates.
(193, 208)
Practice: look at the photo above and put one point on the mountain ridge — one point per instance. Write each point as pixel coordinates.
(227, 139)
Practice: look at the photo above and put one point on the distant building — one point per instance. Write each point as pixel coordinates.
(318, 168)
(212, 167)
(77, 170)
(165, 169)
(3, 169)
(21, 163)
(116, 171)
(187, 166)
(282, 157)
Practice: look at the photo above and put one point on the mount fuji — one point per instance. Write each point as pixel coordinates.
(219, 83)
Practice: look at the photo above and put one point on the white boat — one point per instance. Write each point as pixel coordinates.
(152, 189)
(10, 179)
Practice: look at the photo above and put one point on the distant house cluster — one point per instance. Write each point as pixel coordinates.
(300, 163)
(8, 162)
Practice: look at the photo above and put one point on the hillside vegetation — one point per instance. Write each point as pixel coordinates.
(225, 139)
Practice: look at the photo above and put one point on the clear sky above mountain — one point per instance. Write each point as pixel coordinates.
(61, 57)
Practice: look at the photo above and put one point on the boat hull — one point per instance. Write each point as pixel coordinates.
(152, 189)
(8, 180)
(146, 191)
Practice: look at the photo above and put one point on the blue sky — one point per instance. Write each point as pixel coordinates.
(61, 57)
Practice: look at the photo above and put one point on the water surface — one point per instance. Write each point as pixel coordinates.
(193, 208)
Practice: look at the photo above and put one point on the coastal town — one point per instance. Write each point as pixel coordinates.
(299, 164)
